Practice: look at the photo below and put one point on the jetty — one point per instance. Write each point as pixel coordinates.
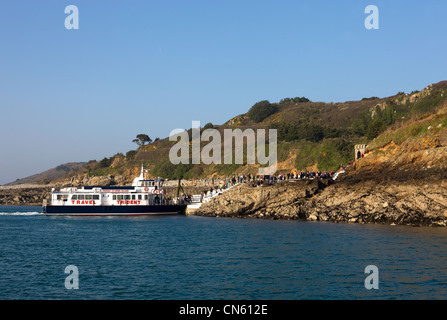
(198, 199)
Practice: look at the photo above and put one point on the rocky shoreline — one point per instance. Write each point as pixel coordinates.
(410, 189)
(400, 204)
(24, 195)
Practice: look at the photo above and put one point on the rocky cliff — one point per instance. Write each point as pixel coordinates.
(407, 189)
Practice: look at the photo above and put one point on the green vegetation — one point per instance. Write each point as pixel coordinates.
(226, 169)
(283, 150)
(328, 155)
(371, 123)
(426, 104)
(106, 162)
(261, 110)
(295, 100)
(171, 171)
(301, 130)
(131, 154)
(142, 139)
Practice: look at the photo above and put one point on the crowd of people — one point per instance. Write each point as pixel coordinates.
(218, 189)
(256, 181)
(266, 180)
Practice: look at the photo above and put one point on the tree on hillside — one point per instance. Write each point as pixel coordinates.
(106, 162)
(261, 110)
(314, 133)
(142, 139)
(375, 128)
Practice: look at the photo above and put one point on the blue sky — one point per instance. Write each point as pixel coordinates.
(153, 66)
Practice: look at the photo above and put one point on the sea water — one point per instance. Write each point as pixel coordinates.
(189, 258)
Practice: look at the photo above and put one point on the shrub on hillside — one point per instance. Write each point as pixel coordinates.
(130, 155)
(171, 171)
(297, 131)
(106, 162)
(261, 110)
(296, 100)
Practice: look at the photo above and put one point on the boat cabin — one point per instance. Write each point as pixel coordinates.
(142, 192)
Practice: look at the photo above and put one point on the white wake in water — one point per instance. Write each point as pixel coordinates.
(19, 213)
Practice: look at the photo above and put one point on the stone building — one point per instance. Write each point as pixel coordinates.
(360, 149)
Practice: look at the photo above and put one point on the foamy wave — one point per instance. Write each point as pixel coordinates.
(19, 213)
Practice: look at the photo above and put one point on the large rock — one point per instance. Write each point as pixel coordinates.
(281, 201)
(24, 195)
(361, 202)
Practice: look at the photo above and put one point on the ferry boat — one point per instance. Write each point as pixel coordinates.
(144, 197)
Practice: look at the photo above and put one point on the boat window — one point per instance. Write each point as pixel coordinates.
(114, 197)
(96, 197)
(145, 197)
(139, 197)
(133, 197)
(127, 197)
(81, 197)
(74, 197)
(120, 197)
(59, 197)
(88, 197)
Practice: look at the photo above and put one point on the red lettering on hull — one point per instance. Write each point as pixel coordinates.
(83, 202)
(126, 202)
